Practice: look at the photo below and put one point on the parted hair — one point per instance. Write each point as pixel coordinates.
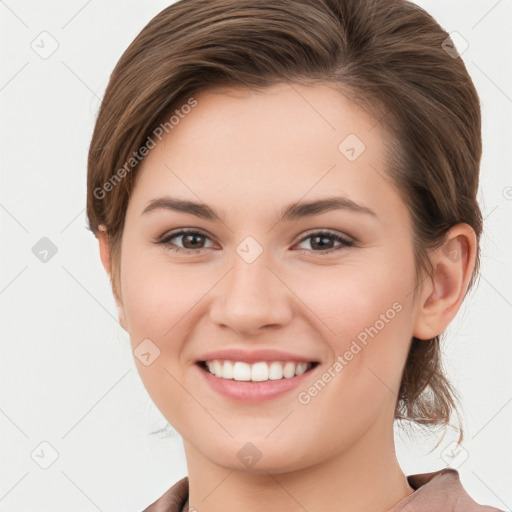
(390, 57)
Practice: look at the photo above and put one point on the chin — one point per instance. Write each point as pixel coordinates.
(256, 455)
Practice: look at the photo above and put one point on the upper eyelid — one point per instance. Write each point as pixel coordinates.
(327, 232)
(182, 232)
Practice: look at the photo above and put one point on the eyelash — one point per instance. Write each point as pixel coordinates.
(165, 241)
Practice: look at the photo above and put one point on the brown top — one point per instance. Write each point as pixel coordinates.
(439, 491)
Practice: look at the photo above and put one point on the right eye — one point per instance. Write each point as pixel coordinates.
(189, 237)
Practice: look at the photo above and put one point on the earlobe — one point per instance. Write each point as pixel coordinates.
(444, 291)
(121, 315)
(104, 245)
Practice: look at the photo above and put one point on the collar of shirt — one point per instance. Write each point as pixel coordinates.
(439, 491)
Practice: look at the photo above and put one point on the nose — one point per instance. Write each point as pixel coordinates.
(252, 297)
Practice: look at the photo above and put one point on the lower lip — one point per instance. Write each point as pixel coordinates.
(253, 392)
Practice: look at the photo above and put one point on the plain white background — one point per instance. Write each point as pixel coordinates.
(67, 372)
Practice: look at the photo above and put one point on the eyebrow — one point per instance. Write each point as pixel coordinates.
(291, 212)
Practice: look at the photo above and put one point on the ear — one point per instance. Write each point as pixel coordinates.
(104, 244)
(443, 292)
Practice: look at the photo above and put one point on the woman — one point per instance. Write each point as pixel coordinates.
(284, 194)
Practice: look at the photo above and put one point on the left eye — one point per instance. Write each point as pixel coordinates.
(195, 241)
(320, 238)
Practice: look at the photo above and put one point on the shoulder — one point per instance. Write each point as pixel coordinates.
(173, 500)
(441, 491)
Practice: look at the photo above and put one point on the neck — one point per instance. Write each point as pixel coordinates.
(364, 478)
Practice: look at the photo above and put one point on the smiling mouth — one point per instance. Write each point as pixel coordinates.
(256, 372)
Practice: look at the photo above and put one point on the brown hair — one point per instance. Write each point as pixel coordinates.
(387, 56)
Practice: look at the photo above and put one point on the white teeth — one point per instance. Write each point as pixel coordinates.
(259, 372)
(241, 371)
(256, 372)
(301, 368)
(217, 366)
(275, 371)
(289, 370)
(227, 370)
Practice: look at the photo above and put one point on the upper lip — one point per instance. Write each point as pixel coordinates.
(254, 356)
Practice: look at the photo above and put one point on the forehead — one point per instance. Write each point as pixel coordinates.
(242, 148)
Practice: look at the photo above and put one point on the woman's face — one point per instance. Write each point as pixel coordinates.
(253, 284)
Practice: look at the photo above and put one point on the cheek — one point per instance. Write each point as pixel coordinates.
(365, 317)
(159, 300)
(368, 334)
(351, 298)
(158, 296)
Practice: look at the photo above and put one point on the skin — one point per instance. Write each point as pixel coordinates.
(247, 155)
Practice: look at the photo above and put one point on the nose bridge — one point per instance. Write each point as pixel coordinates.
(251, 295)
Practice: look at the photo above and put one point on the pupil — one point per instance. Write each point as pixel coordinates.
(322, 240)
(193, 237)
